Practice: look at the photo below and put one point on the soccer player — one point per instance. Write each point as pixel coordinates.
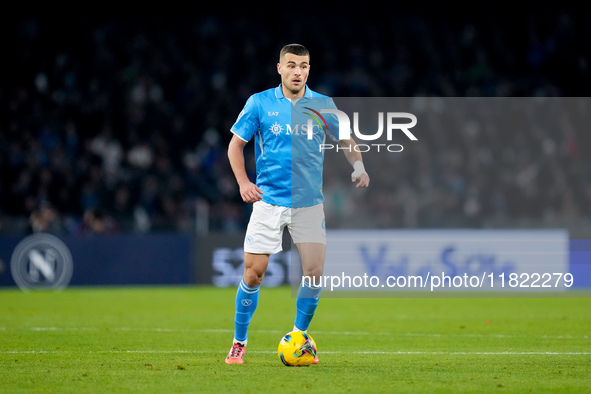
(266, 116)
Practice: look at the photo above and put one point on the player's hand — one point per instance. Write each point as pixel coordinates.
(359, 174)
(363, 179)
(250, 192)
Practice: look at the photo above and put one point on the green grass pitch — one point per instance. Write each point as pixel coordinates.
(175, 339)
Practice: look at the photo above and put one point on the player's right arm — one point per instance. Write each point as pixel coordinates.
(248, 190)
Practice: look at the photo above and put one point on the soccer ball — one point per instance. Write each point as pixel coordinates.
(297, 349)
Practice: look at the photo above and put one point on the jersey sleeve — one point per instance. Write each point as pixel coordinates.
(248, 121)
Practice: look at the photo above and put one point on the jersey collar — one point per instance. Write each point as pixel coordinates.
(279, 92)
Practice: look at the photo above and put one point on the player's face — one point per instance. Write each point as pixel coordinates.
(294, 72)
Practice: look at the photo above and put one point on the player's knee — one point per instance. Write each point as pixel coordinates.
(253, 277)
(255, 266)
(314, 273)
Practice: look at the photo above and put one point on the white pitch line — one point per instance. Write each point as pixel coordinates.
(272, 352)
(319, 332)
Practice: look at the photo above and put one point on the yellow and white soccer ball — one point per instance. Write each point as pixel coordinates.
(297, 349)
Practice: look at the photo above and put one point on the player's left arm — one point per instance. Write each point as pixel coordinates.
(356, 160)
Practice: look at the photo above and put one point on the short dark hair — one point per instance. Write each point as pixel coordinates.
(296, 49)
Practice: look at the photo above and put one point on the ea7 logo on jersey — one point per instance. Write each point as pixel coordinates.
(272, 113)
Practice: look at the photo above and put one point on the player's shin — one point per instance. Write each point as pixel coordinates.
(247, 299)
(306, 304)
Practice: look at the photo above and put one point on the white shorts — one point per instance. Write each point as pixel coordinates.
(264, 233)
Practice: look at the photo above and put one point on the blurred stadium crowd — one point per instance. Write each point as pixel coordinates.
(121, 125)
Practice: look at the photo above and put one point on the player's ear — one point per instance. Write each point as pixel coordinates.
(278, 68)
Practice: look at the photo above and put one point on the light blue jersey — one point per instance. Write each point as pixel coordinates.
(288, 163)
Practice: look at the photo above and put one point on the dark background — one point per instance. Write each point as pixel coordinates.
(117, 120)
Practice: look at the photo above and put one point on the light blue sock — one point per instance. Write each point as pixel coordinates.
(306, 303)
(247, 299)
